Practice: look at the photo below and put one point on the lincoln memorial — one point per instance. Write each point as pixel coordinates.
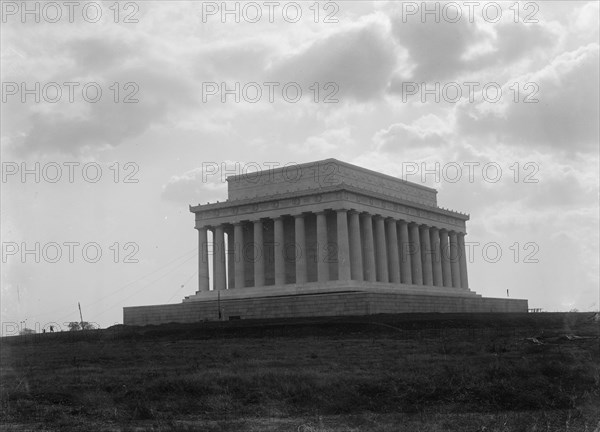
(325, 238)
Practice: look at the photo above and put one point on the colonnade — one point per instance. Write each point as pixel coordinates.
(343, 244)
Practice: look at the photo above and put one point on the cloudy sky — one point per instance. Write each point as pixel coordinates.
(500, 100)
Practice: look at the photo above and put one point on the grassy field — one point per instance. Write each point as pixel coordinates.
(436, 372)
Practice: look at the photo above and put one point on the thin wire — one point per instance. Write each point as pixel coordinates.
(60, 309)
(143, 287)
(182, 286)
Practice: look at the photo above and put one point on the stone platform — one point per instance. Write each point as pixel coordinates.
(313, 299)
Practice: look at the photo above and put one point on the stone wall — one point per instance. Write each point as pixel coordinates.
(323, 174)
(330, 304)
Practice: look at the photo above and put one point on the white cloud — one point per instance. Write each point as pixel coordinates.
(327, 142)
(199, 185)
(427, 131)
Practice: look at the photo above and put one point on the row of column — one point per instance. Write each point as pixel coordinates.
(369, 248)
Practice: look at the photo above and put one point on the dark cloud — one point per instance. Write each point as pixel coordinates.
(564, 118)
(245, 60)
(359, 60)
(435, 48)
(441, 50)
(108, 124)
(160, 92)
(98, 54)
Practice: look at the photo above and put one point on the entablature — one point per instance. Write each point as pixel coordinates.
(332, 198)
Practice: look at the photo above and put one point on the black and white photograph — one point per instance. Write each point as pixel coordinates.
(303, 216)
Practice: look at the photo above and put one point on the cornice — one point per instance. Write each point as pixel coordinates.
(320, 192)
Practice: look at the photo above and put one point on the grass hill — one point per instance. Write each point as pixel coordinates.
(412, 372)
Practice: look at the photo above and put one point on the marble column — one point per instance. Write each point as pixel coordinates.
(436, 257)
(356, 263)
(454, 260)
(381, 260)
(405, 262)
(392, 251)
(203, 281)
(238, 251)
(220, 279)
(415, 254)
(426, 256)
(259, 254)
(300, 240)
(322, 248)
(343, 246)
(369, 248)
(462, 257)
(445, 253)
(278, 248)
(230, 258)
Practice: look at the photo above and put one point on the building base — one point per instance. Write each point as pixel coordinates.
(317, 299)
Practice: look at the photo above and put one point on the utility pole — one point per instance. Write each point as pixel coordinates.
(219, 303)
(80, 315)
